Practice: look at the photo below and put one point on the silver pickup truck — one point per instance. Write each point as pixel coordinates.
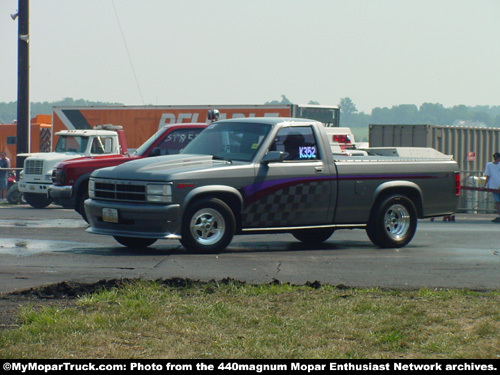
(264, 175)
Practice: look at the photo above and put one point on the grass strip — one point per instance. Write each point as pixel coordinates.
(154, 319)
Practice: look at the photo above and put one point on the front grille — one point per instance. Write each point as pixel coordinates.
(33, 167)
(129, 191)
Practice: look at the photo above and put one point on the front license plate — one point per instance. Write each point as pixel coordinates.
(110, 215)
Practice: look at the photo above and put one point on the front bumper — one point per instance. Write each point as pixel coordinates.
(36, 188)
(61, 195)
(63, 192)
(135, 220)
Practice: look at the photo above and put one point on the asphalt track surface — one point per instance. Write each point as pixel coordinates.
(46, 246)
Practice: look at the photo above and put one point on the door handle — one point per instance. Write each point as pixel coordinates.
(319, 169)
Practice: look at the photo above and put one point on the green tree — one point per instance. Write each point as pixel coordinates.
(496, 122)
(405, 114)
(347, 107)
(481, 117)
(284, 100)
(381, 116)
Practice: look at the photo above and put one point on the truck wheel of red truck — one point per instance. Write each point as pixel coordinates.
(80, 203)
(37, 200)
(208, 226)
(393, 222)
(134, 242)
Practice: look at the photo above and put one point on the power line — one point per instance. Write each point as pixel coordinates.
(128, 53)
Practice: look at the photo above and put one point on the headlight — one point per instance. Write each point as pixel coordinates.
(159, 193)
(58, 177)
(91, 189)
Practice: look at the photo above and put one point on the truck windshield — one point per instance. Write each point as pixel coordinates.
(72, 144)
(173, 143)
(229, 140)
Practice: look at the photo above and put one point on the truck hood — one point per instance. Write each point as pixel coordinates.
(91, 160)
(54, 156)
(156, 168)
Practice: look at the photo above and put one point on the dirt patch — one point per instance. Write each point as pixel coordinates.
(60, 295)
(64, 295)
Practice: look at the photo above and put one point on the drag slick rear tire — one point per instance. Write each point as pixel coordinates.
(208, 226)
(393, 222)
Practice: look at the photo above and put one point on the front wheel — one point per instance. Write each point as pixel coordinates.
(208, 226)
(37, 200)
(135, 242)
(393, 222)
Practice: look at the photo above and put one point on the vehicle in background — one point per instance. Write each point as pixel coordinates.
(70, 177)
(343, 137)
(36, 176)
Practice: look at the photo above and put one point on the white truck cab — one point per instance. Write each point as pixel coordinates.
(36, 176)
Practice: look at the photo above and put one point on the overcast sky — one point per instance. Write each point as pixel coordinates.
(379, 53)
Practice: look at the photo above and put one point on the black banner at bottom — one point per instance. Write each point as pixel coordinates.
(257, 366)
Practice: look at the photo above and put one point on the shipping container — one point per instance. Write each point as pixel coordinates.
(471, 147)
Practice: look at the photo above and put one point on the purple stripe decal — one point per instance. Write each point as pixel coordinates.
(259, 190)
(388, 177)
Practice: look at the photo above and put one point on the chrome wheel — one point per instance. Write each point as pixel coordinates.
(397, 221)
(393, 222)
(207, 226)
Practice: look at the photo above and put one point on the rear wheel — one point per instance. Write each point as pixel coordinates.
(313, 236)
(37, 200)
(135, 242)
(393, 222)
(208, 226)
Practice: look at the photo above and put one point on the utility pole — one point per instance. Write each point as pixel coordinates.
(23, 82)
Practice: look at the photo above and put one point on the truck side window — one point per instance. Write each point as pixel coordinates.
(177, 140)
(102, 145)
(298, 143)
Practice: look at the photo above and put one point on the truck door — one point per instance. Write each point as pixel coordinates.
(294, 192)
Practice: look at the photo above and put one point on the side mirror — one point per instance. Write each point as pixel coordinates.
(273, 157)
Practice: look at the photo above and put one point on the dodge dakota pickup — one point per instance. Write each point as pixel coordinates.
(264, 175)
